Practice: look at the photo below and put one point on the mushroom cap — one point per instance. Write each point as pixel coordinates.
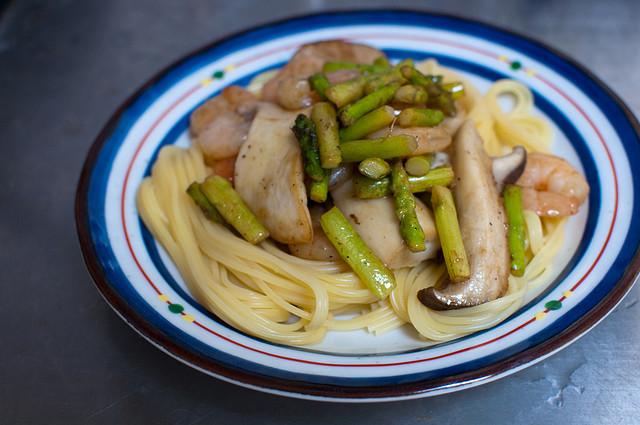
(508, 168)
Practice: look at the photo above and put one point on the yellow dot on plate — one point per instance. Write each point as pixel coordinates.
(502, 58)
(163, 297)
(540, 315)
(567, 294)
(230, 68)
(531, 72)
(205, 82)
(188, 318)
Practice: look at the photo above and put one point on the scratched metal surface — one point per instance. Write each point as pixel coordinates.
(65, 357)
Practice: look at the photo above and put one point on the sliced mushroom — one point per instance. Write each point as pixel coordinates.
(507, 169)
(482, 224)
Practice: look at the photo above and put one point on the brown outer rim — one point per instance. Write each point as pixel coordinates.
(324, 391)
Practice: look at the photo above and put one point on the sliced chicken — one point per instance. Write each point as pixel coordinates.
(310, 58)
(222, 123)
(269, 176)
(320, 248)
(430, 139)
(376, 222)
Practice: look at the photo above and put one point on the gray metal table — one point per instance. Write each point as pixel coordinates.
(65, 357)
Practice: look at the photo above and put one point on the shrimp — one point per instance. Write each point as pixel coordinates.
(222, 123)
(225, 168)
(551, 186)
(308, 60)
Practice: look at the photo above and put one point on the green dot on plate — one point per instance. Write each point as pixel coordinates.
(515, 65)
(176, 308)
(553, 305)
(218, 74)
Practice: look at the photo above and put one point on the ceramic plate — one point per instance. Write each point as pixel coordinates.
(596, 268)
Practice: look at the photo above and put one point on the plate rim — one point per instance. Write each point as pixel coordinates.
(319, 391)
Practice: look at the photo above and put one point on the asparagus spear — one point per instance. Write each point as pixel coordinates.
(418, 165)
(362, 67)
(410, 93)
(417, 117)
(444, 102)
(513, 205)
(203, 203)
(456, 89)
(382, 62)
(446, 218)
(323, 115)
(352, 112)
(441, 176)
(438, 96)
(385, 148)
(319, 83)
(436, 79)
(318, 191)
(410, 228)
(226, 200)
(383, 80)
(347, 92)
(394, 76)
(367, 188)
(418, 78)
(374, 168)
(367, 124)
(355, 252)
(305, 132)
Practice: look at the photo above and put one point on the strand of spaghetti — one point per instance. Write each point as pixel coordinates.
(373, 317)
(386, 321)
(258, 302)
(398, 297)
(534, 232)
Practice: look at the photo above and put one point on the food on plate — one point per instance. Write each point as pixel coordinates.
(347, 191)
